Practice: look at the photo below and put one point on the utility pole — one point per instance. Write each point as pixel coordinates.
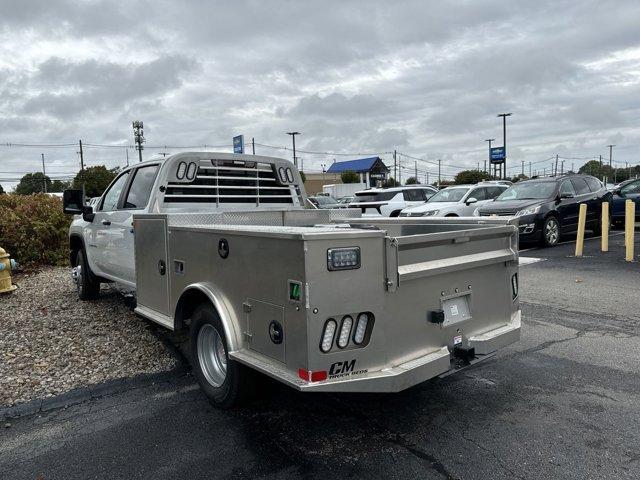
(601, 161)
(253, 145)
(544, 172)
(610, 155)
(81, 156)
(293, 138)
(427, 178)
(416, 169)
(522, 167)
(504, 141)
(556, 171)
(395, 165)
(485, 166)
(44, 175)
(562, 168)
(439, 162)
(138, 136)
(490, 140)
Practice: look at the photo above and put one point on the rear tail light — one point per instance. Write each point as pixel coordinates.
(361, 329)
(328, 334)
(345, 331)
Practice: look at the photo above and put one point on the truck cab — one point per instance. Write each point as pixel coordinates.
(180, 183)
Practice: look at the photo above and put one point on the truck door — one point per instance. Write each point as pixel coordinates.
(119, 259)
(99, 233)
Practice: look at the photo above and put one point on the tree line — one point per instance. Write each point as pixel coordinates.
(94, 179)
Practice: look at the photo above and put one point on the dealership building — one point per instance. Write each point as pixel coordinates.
(371, 170)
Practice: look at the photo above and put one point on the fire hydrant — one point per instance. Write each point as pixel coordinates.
(6, 265)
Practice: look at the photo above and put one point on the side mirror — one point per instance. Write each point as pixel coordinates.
(566, 195)
(617, 191)
(73, 203)
(471, 200)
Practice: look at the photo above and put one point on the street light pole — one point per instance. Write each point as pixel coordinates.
(504, 141)
(490, 140)
(293, 138)
(44, 175)
(610, 154)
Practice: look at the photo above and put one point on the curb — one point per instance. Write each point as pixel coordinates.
(83, 394)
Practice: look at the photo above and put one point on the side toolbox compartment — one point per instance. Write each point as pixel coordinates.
(152, 268)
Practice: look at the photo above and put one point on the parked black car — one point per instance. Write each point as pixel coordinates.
(627, 190)
(548, 207)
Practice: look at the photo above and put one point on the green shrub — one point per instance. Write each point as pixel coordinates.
(33, 229)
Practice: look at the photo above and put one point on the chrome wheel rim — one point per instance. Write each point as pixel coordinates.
(76, 274)
(212, 356)
(551, 232)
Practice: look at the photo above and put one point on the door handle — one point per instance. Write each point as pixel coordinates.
(106, 222)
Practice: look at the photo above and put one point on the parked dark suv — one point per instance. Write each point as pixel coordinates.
(548, 207)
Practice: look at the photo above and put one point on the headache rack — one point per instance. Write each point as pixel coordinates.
(233, 181)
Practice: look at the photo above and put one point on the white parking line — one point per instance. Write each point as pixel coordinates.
(572, 241)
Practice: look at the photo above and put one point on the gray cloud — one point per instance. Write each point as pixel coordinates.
(354, 76)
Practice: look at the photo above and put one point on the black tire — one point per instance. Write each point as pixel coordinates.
(238, 379)
(450, 215)
(548, 237)
(87, 284)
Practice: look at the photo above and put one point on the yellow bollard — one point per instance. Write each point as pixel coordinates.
(582, 220)
(629, 227)
(605, 226)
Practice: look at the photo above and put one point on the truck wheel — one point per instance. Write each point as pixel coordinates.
(550, 232)
(87, 285)
(224, 381)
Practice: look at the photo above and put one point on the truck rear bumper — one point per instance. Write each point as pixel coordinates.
(396, 378)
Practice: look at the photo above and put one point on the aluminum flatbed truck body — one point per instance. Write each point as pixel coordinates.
(431, 292)
(321, 300)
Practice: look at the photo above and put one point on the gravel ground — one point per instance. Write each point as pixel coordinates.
(51, 342)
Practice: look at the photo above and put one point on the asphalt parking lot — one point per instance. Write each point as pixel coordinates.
(564, 402)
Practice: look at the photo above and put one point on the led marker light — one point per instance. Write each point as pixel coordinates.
(361, 328)
(283, 175)
(345, 331)
(343, 258)
(182, 168)
(289, 175)
(328, 334)
(191, 171)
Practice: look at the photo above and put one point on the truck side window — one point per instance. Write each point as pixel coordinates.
(112, 196)
(140, 188)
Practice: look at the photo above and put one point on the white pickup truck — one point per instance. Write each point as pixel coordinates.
(321, 300)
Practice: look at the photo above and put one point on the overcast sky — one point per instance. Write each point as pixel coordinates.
(425, 78)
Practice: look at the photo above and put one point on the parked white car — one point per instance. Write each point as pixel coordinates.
(456, 201)
(389, 202)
